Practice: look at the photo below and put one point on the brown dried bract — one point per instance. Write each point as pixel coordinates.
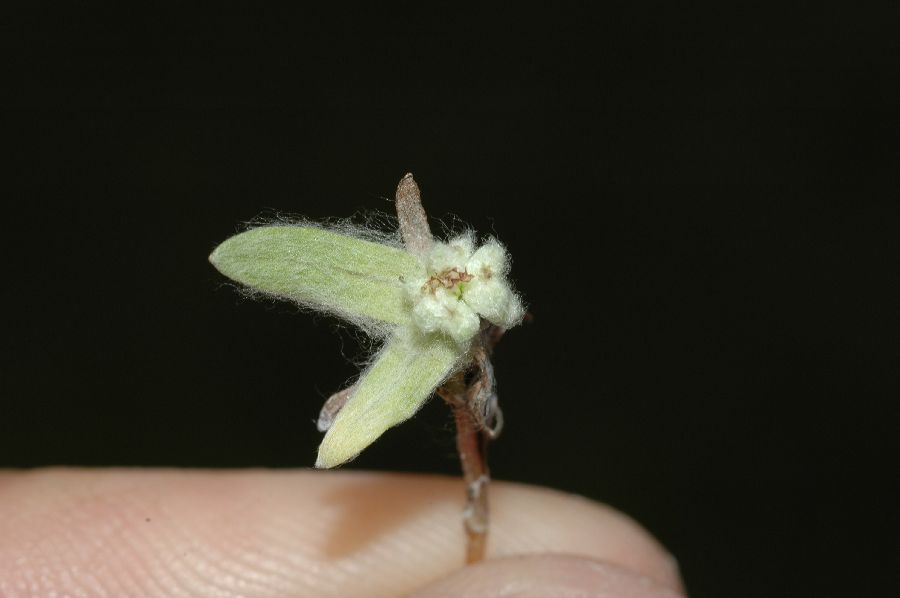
(413, 221)
(332, 407)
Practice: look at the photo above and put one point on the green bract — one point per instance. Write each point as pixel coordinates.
(405, 373)
(426, 305)
(344, 275)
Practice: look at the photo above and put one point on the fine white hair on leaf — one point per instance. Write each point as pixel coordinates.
(403, 375)
(377, 227)
(349, 269)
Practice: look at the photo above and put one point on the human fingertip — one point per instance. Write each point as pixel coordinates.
(545, 576)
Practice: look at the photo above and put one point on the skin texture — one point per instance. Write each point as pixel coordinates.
(67, 532)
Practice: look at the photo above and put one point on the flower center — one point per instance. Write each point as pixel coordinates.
(447, 279)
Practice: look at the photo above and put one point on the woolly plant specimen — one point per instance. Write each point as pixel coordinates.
(436, 307)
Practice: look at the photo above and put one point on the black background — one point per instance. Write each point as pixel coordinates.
(701, 205)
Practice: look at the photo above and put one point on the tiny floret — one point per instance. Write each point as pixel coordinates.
(462, 284)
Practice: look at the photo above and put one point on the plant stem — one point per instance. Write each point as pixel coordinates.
(471, 442)
(478, 419)
(474, 402)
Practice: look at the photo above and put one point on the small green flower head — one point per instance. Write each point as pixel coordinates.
(461, 286)
(426, 299)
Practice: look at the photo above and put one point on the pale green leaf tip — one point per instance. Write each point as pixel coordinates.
(345, 442)
(390, 392)
(214, 257)
(219, 254)
(329, 460)
(351, 434)
(339, 448)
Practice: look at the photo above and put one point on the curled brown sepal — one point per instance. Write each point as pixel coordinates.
(332, 407)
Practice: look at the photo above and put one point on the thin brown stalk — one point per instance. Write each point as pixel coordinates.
(478, 419)
(469, 393)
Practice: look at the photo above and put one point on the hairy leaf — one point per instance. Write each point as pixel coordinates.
(349, 277)
(405, 373)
